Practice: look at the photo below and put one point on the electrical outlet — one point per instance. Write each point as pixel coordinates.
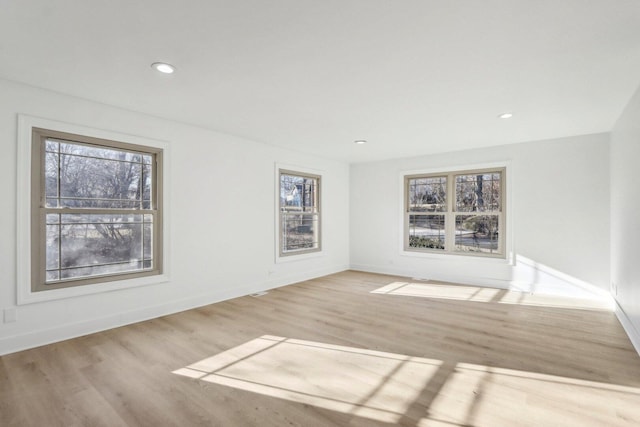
(9, 315)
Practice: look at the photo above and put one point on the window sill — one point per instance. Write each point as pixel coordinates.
(30, 297)
(450, 257)
(299, 257)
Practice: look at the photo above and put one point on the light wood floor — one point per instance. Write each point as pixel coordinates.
(350, 349)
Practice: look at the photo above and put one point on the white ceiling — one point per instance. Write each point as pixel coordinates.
(410, 76)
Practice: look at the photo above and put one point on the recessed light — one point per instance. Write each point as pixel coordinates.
(505, 116)
(360, 141)
(163, 67)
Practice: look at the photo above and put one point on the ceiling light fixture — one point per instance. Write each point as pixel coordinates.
(163, 67)
(360, 141)
(505, 116)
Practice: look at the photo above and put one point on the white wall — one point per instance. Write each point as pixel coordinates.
(559, 197)
(625, 217)
(221, 217)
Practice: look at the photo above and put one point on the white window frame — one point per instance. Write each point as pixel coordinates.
(506, 215)
(303, 253)
(25, 293)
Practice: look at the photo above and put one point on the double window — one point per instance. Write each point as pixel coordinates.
(96, 210)
(456, 212)
(299, 213)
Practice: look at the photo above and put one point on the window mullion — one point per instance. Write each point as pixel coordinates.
(450, 225)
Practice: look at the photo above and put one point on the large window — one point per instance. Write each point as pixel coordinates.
(96, 210)
(299, 211)
(456, 212)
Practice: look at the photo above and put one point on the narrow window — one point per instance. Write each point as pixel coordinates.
(456, 212)
(299, 210)
(96, 210)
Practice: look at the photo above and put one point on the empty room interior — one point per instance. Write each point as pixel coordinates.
(320, 213)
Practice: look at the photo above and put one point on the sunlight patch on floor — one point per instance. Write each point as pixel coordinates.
(484, 294)
(364, 383)
(485, 396)
(390, 387)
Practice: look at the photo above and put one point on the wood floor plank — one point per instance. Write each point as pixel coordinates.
(333, 352)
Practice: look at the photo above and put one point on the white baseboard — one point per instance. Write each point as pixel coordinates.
(632, 332)
(463, 280)
(553, 282)
(301, 277)
(41, 337)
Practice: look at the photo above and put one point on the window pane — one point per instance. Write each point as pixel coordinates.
(147, 183)
(91, 151)
(53, 219)
(87, 244)
(478, 192)
(52, 241)
(52, 246)
(95, 177)
(428, 194)
(52, 146)
(477, 233)
(51, 176)
(147, 242)
(298, 193)
(90, 182)
(299, 231)
(426, 231)
(53, 275)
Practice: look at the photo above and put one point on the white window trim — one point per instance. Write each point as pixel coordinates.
(509, 257)
(293, 256)
(25, 295)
